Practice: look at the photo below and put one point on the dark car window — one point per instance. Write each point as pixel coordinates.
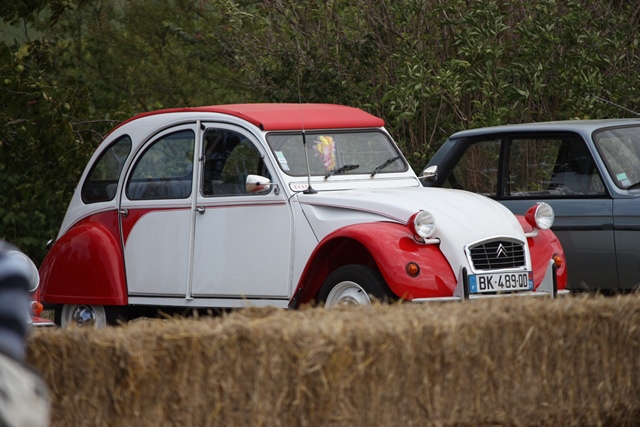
(102, 181)
(477, 169)
(165, 169)
(545, 166)
(229, 157)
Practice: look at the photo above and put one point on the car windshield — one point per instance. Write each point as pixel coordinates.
(336, 153)
(620, 150)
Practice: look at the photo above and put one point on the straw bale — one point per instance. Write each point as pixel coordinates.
(514, 361)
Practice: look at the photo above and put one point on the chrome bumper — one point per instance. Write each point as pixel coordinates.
(548, 288)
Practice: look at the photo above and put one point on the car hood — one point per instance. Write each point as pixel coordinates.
(462, 218)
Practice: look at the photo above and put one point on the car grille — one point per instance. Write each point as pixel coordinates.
(497, 255)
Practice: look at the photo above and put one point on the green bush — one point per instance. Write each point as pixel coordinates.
(43, 148)
(431, 68)
(428, 67)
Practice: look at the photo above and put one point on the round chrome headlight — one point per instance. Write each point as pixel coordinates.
(540, 216)
(424, 224)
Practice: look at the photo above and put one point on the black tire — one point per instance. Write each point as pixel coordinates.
(356, 285)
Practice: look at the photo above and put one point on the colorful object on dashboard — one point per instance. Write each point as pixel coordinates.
(326, 151)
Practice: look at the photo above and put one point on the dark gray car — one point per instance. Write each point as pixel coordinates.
(587, 170)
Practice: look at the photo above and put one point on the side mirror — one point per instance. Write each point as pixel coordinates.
(430, 174)
(256, 184)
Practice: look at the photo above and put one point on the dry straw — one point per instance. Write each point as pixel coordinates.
(503, 362)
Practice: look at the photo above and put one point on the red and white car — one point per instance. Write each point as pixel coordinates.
(279, 204)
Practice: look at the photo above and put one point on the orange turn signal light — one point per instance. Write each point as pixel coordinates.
(37, 308)
(557, 259)
(412, 269)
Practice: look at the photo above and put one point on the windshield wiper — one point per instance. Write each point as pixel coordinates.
(384, 165)
(343, 168)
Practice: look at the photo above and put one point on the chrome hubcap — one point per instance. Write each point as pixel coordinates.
(347, 293)
(84, 316)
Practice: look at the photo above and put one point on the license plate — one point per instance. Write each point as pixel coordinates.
(500, 282)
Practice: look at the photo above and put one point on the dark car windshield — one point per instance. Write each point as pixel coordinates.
(336, 153)
(620, 151)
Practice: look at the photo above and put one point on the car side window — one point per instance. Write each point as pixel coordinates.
(551, 166)
(102, 180)
(229, 157)
(165, 169)
(477, 169)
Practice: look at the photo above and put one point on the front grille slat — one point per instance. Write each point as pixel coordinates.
(497, 255)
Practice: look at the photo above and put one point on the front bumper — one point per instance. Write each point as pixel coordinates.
(41, 322)
(547, 289)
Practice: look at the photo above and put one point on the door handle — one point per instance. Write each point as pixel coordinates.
(200, 209)
(123, 212)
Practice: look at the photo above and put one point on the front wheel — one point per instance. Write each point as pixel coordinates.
(95, 316)
(354, 285)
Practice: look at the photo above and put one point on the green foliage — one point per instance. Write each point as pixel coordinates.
(95, 64)
(42, 148)
(143, 55)
(431, 67)
(17, 11)
(428, 67)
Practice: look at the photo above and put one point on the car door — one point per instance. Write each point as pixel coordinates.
(627, 235)
(559, 169)
(156, 213)
(619, 150)
(243, 237)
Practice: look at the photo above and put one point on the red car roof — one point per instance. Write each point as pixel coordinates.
(287, 116)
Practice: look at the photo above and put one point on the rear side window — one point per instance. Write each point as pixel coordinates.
(165, 169)
(102, 181)
(546, 166)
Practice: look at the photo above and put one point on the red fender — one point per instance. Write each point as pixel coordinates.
(387, 246)
(542, 249)
(85, 265)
